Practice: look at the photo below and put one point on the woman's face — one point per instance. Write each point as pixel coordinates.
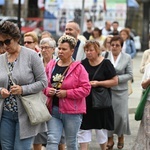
(64, 51)
(116, 48)
(46, 50)
(96, 34)
(124, 35)
(8, 44)
(29, 42)
(108, 43)
(91, 53)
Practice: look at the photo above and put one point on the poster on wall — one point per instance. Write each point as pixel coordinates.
(99, 11)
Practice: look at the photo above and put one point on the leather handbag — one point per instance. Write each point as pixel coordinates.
(34, 104)
(101, 97)
(140, 108)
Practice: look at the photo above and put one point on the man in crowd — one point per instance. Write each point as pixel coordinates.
(115, 26)
(107, 29)
(73, 29)
(88, 32)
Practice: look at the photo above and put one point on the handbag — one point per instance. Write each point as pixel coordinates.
(101, 97)
(140, 108)
(34, 104)
(130, 91)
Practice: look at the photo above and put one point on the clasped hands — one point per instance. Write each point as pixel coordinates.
(59, 93)
(15, 90)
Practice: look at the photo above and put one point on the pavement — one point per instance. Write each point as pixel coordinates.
(134, 99)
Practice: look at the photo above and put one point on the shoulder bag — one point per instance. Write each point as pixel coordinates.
(140, 108)
(101, 97)
(34, 104)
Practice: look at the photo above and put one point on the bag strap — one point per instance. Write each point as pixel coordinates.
(63, 75)
(106, 54)
(97, 69)
(8, 71)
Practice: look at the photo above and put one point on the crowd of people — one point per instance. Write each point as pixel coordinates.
(64, 71)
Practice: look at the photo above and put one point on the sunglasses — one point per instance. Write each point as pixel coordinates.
(45, 47)
(116, 45)
(6, 42)
(28, 42)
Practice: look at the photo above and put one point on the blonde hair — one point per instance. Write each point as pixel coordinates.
(68, 39)
(33, 35)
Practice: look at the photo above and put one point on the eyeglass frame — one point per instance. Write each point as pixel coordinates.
(46, 47)
(28, 42)
(116, 45)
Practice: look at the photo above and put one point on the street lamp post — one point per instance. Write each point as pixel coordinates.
(19, 14)
(82, 16)
(146, 22)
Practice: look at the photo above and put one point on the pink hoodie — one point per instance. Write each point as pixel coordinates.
(76, 82)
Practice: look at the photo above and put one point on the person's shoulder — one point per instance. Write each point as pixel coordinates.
(26, 51)
(126, 55)
(147, 51)
(147, 67)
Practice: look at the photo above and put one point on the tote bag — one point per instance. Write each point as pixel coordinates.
(140, 108)
(35, 106)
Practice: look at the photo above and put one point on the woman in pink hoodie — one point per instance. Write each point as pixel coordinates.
(68, 85)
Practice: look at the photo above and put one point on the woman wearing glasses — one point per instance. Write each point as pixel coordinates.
(16, 132)
(31, 41)
(123, 66)
(102, 119)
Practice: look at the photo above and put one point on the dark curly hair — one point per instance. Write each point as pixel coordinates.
(8, 28)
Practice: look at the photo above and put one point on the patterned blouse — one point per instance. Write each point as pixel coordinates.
(10, 103)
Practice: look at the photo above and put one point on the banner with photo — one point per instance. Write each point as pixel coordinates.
(62, 11)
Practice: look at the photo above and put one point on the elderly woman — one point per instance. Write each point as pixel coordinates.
(123, 66)
(103, 119)
(27, 70)
(68, 85)
(47, 46)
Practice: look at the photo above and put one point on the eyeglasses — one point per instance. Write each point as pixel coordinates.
(28, 42)
(116, 45)
(45, 47)
(6, 42)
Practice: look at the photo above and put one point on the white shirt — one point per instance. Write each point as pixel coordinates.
(146, 76)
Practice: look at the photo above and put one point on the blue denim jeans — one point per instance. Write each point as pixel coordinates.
(70, 123)
(9, 133)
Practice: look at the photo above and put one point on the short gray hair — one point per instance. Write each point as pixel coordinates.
(51, 42)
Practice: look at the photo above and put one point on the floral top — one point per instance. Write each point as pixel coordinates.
(10, 103)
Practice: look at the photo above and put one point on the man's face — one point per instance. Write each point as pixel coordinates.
(71, 29)
(115, 26)
(108, 25)
(89, 25)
